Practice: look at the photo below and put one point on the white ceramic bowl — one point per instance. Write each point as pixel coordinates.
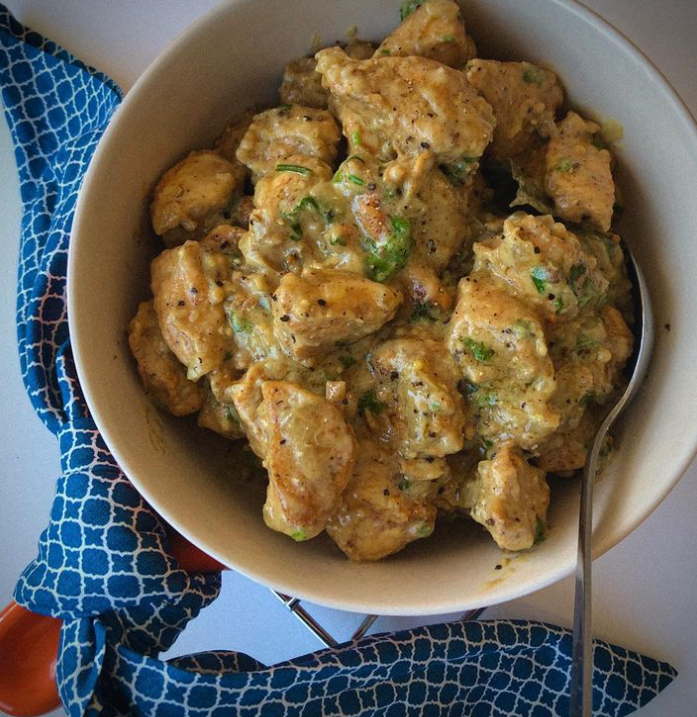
(234, 57)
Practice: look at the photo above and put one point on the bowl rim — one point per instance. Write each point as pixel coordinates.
(436, 606)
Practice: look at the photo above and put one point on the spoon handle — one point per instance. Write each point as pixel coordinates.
(581, 697)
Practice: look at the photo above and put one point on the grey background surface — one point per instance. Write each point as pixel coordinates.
(644, 589)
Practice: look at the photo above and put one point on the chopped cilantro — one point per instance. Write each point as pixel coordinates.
(356, 138)
(232, 415)
(585, 342)
(457, 171)
(447, 39)
(299, 536)
(422, 312)
(368, 402)
(385, 51)
(522, 329)
(539, 277)
(298, 169)
(589, 397)
(566, 166)
(425, 529)
(481, 396)
(354, 179)
(558, 305)
(347, 361)
(239, 324)
(408, 7)
(540, 530)
(478, 349)
(435, 406)
(404, 484)
(532, 77)
(384, 261)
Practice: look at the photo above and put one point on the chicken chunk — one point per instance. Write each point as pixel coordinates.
(424, 412)
(566, 451)
(188, 288)
(308, 450)
(302, 84)
(525, 99)
(407, 104)
(220, 418)
(230, 140)
(282, 228)
(191, 192)
(589, 357)
(579, 173)
(375, 517)
(316, 311)
(544, 263)
(276, 135)
(511, 498)
(499, 345)
(163, 376)
(434, 30)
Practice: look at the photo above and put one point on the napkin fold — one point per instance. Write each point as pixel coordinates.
(103, 566)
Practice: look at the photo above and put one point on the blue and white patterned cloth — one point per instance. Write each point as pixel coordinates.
(103, 565)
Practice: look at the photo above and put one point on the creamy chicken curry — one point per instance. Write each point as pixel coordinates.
(400, 287)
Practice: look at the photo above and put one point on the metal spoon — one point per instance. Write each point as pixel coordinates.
(581, 703)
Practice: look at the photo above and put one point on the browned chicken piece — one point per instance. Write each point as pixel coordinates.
(225, 238)
(407, 105)
(525, 99)
(241, 212)
(163, 376)
(302, 85)
(579, 173)
(200, 186)
(499, 345)
(592, 373)
(246, 398)
(188, 285)
(375, 517)
(230, 140)
(510, 499)
(424, 412)
(276, 135)
(320, 309)
(434, 30)
(544, 263)
(308, 450)
(566, 451)
(220, 418)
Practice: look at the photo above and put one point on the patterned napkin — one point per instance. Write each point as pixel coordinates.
(103, 565)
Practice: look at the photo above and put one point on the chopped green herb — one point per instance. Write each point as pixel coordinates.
(589, 397)
(482, 397)
(532, 77)
(404, 484)
(385, 260)
(347, 361)
(566, 166)
(558, 305)
(522, 329)
(487, 444)
(540, 530)
(425, 529)
(299, 536)
(585, 290)
(422, 311)
(239, 324)
(298, 169)
(576, 272)
(469, 66)
(355, 179)
(539, 277)
(408, 7)
(356, 138)
(448, 39)
(457, 171)
(435, 406)
(232, 415)
(368, 402)
(478, 349)
(385, 51)
(585, 342)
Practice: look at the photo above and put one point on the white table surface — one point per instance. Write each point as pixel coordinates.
(645, 589)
